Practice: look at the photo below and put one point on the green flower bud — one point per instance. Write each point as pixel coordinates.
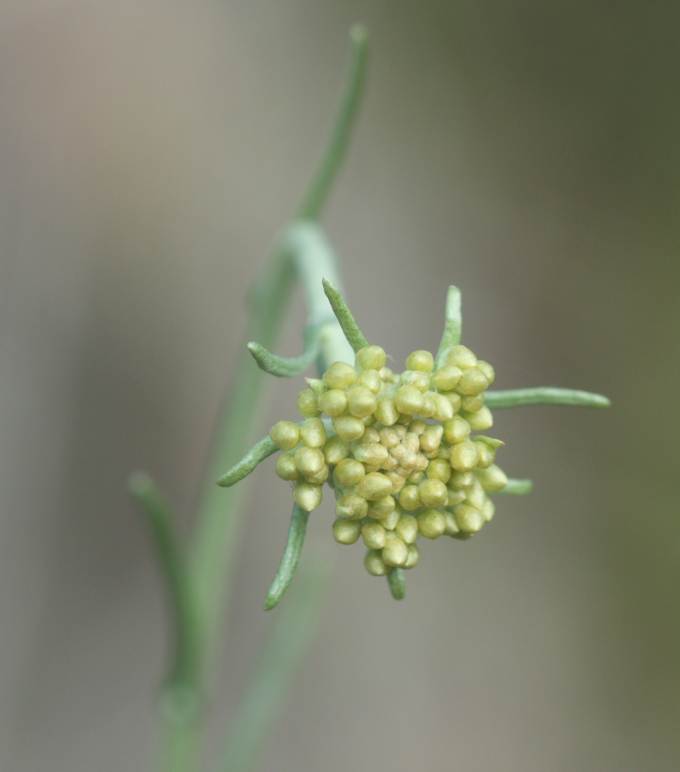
(409, 498)
(420, 360)
(475, 496)
(397, 481)
(412, 556)
(462, 357)
(361, 401)
(389, 522)
(443, 409)
(447, 378)
(348, 428)
(455, 497)
(320, 477)
(439, 469)
(431, 438)
(454, 400)
(472, 382)
(416, 378)
(285, 467)
(374, 563)
(333, 402)
(488, 510)
(285, 435)
(316, 385)
(395, 551)
(431, 523)
(407, 529)
(386, 412)
(493, 479)
(481, 420)
(388, 437)
(339, 376)
(469, 519)
(373, 535)
(451, 524)
(381, 508)
(335, 450)
(408, 400)
(374, 486)
(433, 493)
(307, 403)
(372, 454)
(371, 380)
(371, 358)
(472, 404)
(348, 472)
(346, 531)
(485, 455)
(307, 496)
(462, 479)
(351, 506)
(309, 461)
(456, 430)
(464, 456)
(487, 369)
(416, 427)
(429, 405)
(313, 433)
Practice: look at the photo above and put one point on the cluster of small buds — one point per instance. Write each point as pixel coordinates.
(400, 451)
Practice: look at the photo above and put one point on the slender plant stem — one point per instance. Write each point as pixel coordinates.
(219, 511)
(335, 152)
(279, 660)
(544, 395)
(171, 561)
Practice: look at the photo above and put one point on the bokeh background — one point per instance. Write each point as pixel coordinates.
(525, 150)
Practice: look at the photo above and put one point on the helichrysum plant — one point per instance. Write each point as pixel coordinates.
(405, 456)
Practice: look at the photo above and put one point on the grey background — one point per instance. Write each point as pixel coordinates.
(528, 152)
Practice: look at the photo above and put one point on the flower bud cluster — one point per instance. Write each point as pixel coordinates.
(399, 450)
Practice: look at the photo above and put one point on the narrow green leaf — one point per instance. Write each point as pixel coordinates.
(453, 324)
(353, 333)
(397, 583)
(518, 487)
(290, 559)
(544, 395)
(287, 367)
(260, 450)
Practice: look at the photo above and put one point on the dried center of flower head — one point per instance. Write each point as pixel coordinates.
(399, 450)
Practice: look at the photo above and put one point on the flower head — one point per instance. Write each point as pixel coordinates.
(399, 450)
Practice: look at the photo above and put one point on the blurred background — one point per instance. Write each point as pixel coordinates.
(527, 151)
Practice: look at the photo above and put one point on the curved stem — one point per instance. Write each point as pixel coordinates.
(321, 183)
(287, 367)
(256, 455)
(544, 395)
(290, 558)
